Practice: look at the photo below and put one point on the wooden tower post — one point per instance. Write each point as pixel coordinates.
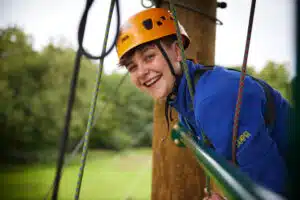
(175, 172)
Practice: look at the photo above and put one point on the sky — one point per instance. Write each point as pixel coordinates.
(273, 34)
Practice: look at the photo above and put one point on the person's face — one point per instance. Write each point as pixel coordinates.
(149, 70)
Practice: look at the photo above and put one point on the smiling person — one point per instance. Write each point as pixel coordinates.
(147, 46)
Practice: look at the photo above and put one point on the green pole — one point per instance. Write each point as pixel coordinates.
(232, 181)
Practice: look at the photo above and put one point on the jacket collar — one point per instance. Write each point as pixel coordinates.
(182, 102)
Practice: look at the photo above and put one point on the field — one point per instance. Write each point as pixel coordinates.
(108, 175)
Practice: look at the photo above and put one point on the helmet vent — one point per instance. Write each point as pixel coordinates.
(148, 24)
(163, 17)
(125, 38)
(159, 23)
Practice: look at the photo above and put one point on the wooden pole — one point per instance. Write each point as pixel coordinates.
(175, 172)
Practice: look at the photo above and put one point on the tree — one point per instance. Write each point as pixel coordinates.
(278, 77)
(34, 90)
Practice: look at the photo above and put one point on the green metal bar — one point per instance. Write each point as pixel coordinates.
(234, 184)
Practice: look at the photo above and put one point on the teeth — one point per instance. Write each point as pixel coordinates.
(151, 82)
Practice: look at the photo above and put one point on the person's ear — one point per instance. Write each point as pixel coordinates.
(177, 52)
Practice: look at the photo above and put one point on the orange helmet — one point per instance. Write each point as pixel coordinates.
(145, 26)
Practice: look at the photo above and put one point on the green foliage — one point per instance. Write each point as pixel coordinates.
(278, 77)
(34, 88)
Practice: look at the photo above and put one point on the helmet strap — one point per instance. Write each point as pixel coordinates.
(163, 52)
(175, 87)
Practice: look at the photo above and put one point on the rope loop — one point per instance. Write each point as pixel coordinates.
(82, 26)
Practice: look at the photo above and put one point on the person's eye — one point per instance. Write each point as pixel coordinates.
(149, 57)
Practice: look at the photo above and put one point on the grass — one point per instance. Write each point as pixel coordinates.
(108, 176)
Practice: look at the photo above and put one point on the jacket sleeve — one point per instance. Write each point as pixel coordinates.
(257, 153)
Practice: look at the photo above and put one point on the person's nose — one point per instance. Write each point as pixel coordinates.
(143, 71)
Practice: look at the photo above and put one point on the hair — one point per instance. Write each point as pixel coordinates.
(167, 40)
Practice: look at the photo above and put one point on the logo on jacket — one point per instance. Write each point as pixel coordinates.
(242, 139)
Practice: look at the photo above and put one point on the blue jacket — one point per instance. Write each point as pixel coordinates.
(260, 149)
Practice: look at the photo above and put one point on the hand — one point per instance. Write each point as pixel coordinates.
(213, 196)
